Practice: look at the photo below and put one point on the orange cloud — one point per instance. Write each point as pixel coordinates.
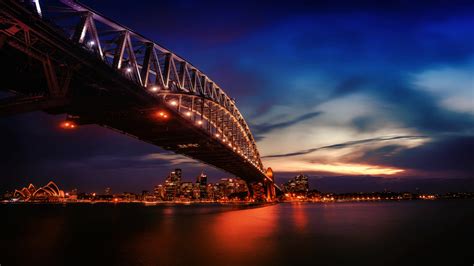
(339, 168)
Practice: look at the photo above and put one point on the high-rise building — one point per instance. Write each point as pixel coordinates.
(159, 192)
(172, 184)
(196, 191)
(298, 184)
(229, 187)
(210, 189)
(186, 190)
(258, 192)
(177, 173)
(201, 180)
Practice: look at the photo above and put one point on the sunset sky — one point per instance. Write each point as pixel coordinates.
(359, 95)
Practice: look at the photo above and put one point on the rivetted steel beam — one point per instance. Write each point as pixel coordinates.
(17, 105)
(120, 50)
(167, 69)
(216, 110)
(145, 73)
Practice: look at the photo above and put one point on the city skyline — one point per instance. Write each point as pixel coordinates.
(382, 99)
(227, 190)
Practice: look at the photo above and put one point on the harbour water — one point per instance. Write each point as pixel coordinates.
(368, 233)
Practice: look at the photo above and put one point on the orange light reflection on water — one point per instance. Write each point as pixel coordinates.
(245, 235)
(300, 217)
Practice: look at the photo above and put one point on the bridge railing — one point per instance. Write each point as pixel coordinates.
(216, 121)
(151, 66)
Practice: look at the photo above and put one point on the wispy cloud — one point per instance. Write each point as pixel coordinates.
(173, 159)
(267, 127)
(344, 145)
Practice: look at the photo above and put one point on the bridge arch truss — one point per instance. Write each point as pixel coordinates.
(186, 90)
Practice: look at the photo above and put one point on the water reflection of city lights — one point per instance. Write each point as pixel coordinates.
(250, 232)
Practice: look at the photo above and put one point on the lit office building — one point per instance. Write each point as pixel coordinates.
(159, 192)
(172, 184)
(258, 192)
(298, 184)
(201, 180)
(186, 190)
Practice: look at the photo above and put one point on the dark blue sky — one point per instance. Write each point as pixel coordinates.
(359, 95)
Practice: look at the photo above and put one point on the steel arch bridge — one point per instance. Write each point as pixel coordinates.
(68, 58)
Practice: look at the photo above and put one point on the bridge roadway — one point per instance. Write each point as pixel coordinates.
(142, 90)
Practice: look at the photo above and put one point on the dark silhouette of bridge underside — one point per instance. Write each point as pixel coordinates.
(142, 90)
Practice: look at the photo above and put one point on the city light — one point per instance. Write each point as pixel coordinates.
(128, 69)
(91, 43)
(154, 89)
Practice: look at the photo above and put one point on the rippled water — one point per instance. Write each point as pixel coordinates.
(381, 233)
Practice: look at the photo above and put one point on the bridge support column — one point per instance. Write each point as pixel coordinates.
(270, 185)
(269, 191)
(262, 191)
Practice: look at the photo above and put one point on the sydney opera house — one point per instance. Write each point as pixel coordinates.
(50, 192)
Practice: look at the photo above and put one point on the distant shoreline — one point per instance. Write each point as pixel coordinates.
(246, 205)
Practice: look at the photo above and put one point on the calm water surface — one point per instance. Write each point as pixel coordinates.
(381, 233)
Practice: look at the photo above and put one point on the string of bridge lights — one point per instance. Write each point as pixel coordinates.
(164, 115)
(189, 114)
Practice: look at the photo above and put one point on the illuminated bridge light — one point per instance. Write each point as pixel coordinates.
(217, 135)
(188, 113)
(68, 125)
(91, 43)
(199, 122)
(154, 89)
(162, 114)
(174, 103)
(128, 69)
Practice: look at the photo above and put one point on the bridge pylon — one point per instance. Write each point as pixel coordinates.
(270, 190)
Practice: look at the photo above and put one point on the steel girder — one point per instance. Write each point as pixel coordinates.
(155, 69)
(152, 66)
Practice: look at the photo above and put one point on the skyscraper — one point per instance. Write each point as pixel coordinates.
(298, 184)
(201, 180)
(159, 192)
(172, 184)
